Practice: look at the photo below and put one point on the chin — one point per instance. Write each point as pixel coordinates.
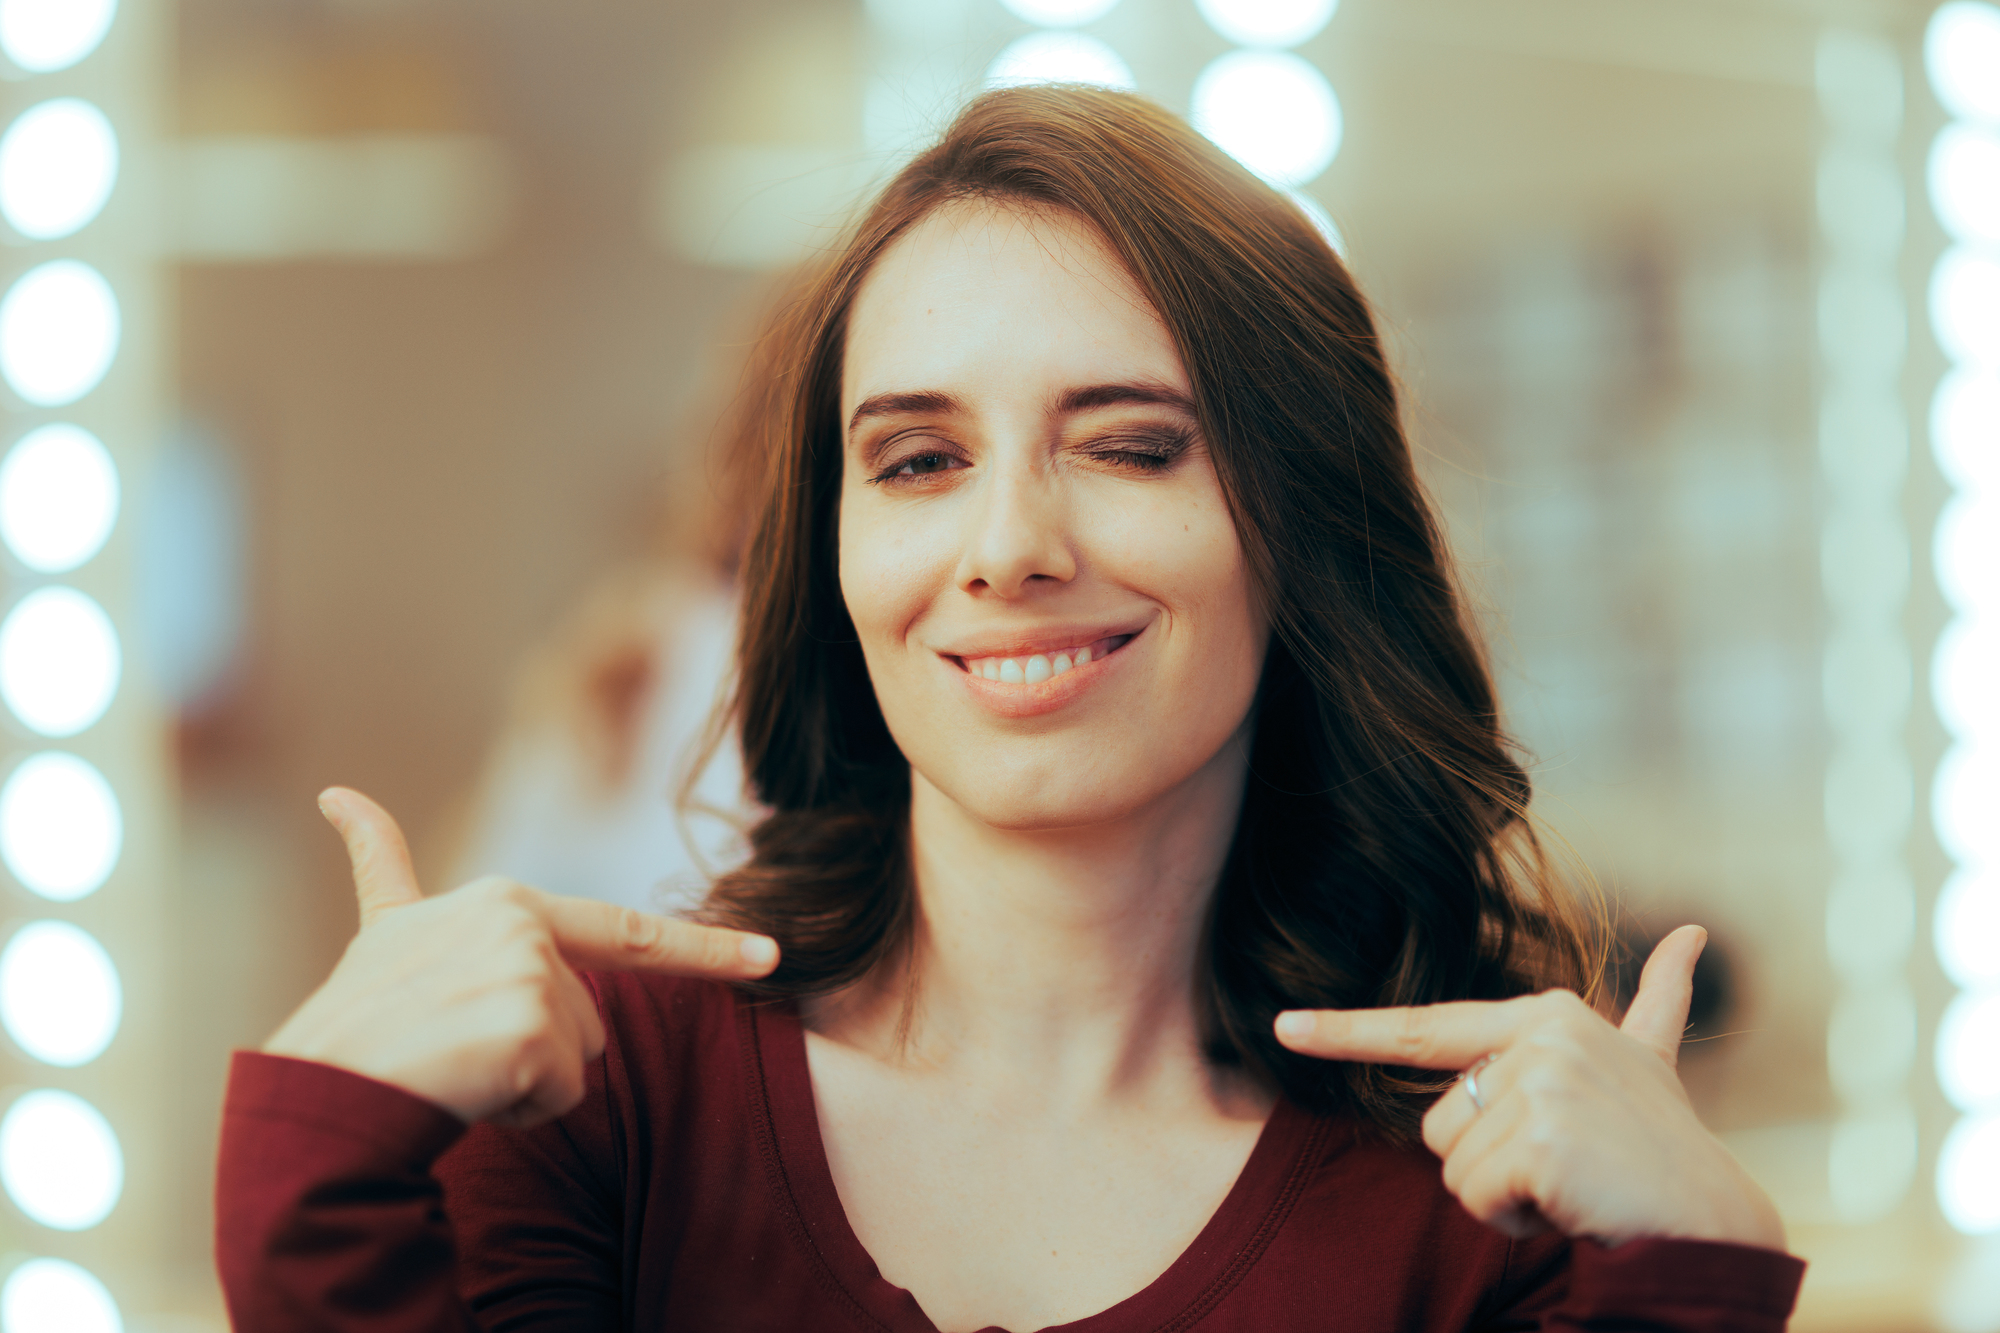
(1048, 792)
(1042, 811)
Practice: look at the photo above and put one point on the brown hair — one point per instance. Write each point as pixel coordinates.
(1384, 854)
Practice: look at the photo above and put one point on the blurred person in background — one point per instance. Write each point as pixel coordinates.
(601, 782)
(1142, 852)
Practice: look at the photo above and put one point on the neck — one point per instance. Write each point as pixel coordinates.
(1064, 960)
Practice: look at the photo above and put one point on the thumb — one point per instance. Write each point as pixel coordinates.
(383, 879)
(1659, 1011)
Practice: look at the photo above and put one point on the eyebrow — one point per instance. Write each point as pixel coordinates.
(1118, 395)
(905, 404)
(1081, 399)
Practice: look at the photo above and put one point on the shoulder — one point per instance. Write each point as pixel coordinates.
(660, 1030)
(673, 1068)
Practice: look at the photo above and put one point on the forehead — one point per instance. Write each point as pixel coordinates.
(982, 299)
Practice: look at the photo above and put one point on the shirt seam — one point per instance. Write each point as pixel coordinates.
(1205, 1302)
(780, 1179)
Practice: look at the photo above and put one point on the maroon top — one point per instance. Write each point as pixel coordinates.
(690, 1191)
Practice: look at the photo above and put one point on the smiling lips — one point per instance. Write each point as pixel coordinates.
(1034, 668)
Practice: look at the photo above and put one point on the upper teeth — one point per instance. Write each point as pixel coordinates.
(1027, 671)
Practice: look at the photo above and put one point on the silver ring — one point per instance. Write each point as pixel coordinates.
(1471, 1080)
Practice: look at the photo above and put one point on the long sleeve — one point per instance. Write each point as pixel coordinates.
(1679, 1285)
(329, 1216)
(1651, 1286)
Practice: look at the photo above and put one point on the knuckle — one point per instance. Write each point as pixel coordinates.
(488, 890)
(1412, 1036)
(514, 893)
(1567, 1009)
(529, 1018)
(524, 957)
(633, 932)
(1558, 1005)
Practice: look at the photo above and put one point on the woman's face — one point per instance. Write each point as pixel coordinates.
(1048, 588)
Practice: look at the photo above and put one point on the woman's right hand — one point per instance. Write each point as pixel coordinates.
(470, 999)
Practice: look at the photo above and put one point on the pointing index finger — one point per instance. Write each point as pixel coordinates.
(1431, 1036)
(605, 936)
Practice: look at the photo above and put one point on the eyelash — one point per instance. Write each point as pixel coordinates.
(1163, 449)
(894, 472)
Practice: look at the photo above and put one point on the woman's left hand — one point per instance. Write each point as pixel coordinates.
(1584, 1126)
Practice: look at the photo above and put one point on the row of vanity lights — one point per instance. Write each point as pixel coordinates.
(60, 822)
(1962, 58)
(1262, 103)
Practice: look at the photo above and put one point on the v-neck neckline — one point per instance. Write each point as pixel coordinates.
(774, 1049)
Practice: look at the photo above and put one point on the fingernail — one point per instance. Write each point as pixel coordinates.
(759, 951)
(1295, 1025)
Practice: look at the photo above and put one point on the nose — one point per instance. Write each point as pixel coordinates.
(1017, 538)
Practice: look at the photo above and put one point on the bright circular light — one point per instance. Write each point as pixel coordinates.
(58, 497)
(59, 994)
(58, 661)
(1965, 306)
(1271, 111)
(56, 1296)
(58, 161)
(1962, 53)
(58, 332)
(1965, 552)
(40, 36)
(1321, 219)
(1059, 13)
(1968, 1052)
(1965, 423)
(60, 828)
(1964, 795)
(59, 1160)
(1964, 669)
(1966, 929)
(1059, 57)
(1964, 173)
(1267, 22)
(1968, 1175)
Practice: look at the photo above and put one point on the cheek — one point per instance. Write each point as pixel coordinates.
(888, 570)
(1182, 549)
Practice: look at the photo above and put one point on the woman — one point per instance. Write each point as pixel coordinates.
(1141, 830)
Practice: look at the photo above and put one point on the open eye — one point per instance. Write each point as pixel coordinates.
(922, 465)
(925, 463)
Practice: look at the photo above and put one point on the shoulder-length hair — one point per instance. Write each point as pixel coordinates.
(1384, 854)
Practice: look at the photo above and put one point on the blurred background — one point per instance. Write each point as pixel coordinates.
(368, 364)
